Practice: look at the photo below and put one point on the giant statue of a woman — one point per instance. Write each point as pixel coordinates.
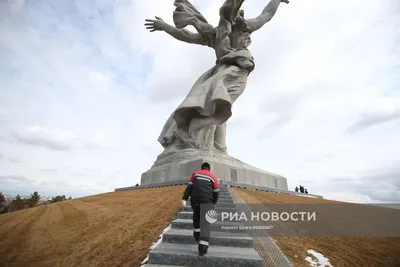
(200, 121)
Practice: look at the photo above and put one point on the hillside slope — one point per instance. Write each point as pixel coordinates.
(117, 229)
(113, 229)
(343, 252)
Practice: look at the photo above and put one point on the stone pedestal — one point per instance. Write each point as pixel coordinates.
(180, 164)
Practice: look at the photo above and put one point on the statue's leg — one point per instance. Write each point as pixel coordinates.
(220, 138)
(185, 141)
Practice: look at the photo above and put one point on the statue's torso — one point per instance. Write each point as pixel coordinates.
(237, 39)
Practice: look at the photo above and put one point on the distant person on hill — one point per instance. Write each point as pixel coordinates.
(203, 188)
(296, 189)
(301, 189)
(305, 191)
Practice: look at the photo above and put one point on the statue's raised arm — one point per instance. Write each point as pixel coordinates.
(266, 15)
(185, 15)
(183, 35)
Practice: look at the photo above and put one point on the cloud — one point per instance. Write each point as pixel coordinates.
(92, 172)
(15, 160)
(86, 173)
(278, 110)
(49, 170)
(372, 186)
(11, 179)
(374, 118)
(53, 139)
(320, 157)
(16, 5)
(77, 174)
(24, 185)
(3, 111)
(103, 82)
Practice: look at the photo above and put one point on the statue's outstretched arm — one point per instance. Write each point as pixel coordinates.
(266, 15)
(180, 34)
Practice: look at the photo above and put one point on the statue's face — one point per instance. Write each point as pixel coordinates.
(239, 17)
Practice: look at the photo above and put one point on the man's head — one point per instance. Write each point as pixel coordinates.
(205, 166)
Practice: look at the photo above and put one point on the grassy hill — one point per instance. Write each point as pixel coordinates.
(342, 252)
(114, 229)
(117, 229)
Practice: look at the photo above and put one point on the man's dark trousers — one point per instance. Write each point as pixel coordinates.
(204, 235)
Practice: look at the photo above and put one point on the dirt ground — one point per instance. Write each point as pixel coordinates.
(342, 252)
(113, 229)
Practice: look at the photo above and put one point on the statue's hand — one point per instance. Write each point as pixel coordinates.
(155, 25)
(285, 1)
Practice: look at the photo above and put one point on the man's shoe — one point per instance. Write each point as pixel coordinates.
(202, 249)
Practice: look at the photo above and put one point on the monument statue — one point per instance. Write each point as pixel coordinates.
(197, 127)
(200, 121)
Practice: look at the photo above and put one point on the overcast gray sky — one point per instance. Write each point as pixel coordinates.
(85, 91)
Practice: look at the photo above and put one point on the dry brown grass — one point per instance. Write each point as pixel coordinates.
(342, 252)
(113, 229)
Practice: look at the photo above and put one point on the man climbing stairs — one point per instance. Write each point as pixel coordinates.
(227, 248)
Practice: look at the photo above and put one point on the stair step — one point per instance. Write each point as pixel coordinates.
(229, 239)
(224, 196)
(216, 256)
(226, 201)
(226, 205)
(189, 215)
(220, 200)
(185, 215)
(187, 224)
(218, 209)
(162, 265)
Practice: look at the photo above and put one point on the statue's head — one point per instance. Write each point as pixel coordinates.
(240, 21)
(241, 13)
(178, 2)
(230, 10)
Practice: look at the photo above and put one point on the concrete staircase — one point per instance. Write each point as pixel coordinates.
(179, 249)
